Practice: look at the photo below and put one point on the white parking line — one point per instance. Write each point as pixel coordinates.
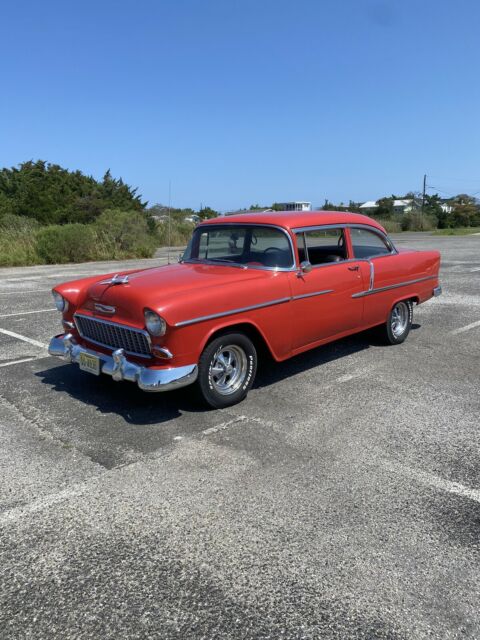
(12, 334)
(24, 313)
(466, 328)
(8, 364)
(432, 480)
(49, 275)
(18, 291)
(224, 425)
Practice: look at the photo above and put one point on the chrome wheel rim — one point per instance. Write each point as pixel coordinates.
(229, 369)
(399, 319)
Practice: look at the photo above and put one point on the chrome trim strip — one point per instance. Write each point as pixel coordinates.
(166, 352)
(336, 264)
(372, 275)
(103, 308)
(117, 279)
(115, 324)
(255, 224)
(222, 314)
(272, 303)
(361, 294)
(311, 295)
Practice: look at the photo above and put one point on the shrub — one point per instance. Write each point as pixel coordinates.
(178, 235)
(416, 221)
(390, 226)
(124, 234)
(17, 241)
(66, 243)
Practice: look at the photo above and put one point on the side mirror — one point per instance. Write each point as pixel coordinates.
(305, 266)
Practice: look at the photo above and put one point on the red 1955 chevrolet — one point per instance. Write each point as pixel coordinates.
(285, 281)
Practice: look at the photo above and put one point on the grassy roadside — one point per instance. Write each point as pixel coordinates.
(458, 231)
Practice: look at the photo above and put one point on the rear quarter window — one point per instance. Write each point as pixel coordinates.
(368, 244)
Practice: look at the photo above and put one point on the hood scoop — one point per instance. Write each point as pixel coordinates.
(117, 279)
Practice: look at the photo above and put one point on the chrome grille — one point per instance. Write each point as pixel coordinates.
(113, 335)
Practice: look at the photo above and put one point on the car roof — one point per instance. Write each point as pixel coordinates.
(295, 220)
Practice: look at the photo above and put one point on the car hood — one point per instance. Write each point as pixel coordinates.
(168, 290)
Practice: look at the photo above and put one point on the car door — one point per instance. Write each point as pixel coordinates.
(370, 244)
(323, 305)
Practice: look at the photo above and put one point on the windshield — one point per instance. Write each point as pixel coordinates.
(246, 245)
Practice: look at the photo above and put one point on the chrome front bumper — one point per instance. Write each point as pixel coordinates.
(117, 366)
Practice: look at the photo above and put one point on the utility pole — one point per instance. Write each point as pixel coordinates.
(424, 188)
(169, 220)
(423, 195)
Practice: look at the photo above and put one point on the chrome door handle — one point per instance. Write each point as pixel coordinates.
(353, 268)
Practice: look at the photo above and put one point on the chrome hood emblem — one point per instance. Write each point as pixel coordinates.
(104, 308)
(117, 279)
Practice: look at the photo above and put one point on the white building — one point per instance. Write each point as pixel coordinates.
(399, 206)
(297, 205)
(369, 206)
(405, 206)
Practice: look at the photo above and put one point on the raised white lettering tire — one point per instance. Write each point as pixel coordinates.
(399, 323)
(226, 370)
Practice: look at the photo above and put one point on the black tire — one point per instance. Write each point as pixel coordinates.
(399, 323)
(219, 385)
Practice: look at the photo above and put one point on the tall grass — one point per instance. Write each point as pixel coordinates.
(390, 226)
(18, 244)
(457, 231)
(177, 236)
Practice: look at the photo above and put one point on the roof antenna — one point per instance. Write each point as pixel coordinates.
(169, 238)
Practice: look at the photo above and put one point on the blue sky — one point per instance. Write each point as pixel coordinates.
(238, 102)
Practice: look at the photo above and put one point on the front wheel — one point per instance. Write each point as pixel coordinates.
(226, 370)
(399, 323)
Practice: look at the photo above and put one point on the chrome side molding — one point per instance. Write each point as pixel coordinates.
(370, 292)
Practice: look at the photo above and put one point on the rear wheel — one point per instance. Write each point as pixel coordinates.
(226, 370)
(399, 323)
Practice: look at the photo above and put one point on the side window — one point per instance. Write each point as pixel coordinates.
(367, 244)
(325, 246)
(301, 246)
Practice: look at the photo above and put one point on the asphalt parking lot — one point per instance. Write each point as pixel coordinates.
(340, 500)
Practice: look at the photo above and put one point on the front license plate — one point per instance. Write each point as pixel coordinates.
(90, 363)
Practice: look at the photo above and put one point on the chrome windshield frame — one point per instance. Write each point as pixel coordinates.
(246, 224)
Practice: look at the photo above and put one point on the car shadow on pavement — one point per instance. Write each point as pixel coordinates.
(140, 408)
(276, 371)
(122, 398)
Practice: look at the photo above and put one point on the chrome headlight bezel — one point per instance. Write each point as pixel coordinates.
(61, 303)
(155, 324)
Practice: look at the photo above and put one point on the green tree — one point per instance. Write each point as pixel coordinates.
(207, 212)
(51, 194)
(385, 207)
(466, 211)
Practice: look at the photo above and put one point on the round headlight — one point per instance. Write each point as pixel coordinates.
(154, 323)
(60, 302)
